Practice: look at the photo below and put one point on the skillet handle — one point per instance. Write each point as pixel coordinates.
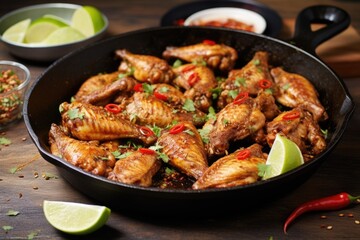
(335, 19)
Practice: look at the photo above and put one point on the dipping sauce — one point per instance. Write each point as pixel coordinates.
(227, 23)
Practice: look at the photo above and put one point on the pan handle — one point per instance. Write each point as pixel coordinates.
(335, 19)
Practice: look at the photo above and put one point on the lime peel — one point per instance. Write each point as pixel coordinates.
(75, 218)
(284, 156)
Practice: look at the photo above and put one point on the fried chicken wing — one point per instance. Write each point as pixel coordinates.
(216, 56)
(295, 90)
(230, 171)
(89, 156)
(198, 81)
(89, 122)
(137, 168)
(185, 150)
(299, 126)
(234, 122)
(247, 79)
(146, 68)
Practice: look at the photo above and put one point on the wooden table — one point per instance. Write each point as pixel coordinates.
(36, 180)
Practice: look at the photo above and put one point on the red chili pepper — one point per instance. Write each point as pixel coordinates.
(147, 151)
(241, 98)
(178, 128)
(264, 83)
(138, 87)
(147, 132)
(209, 42)
(291, 115)
(114, 108)
(188, 68)
(334, 202)
(160, 96)
(243, 154)
(193, 78)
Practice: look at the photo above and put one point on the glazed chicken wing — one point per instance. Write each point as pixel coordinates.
(185, 150)
(299, 126)
(88, 122)
(137, 168)
(247, 79)
(236, 121)
(233, 170)
(295, 90)
(146, 68)
(198, 81)
(216, 56)
(89, 156)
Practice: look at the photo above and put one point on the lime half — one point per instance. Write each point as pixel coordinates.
(63, 35)
(41, 28)
(88, 20)
(75, 218)
(284, 156)
(16, 33)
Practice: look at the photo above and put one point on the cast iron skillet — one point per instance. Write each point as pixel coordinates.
(62, 79)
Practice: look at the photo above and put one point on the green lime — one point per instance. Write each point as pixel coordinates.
(63, 35)
(57, 18)
(284, 156)
(75, 218)
(41, 28)
(16, 33)
(88, 20)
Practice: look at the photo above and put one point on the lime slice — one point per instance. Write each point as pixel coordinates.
(63, 35)
(88, 20)
(57, 18)
(75, 218)
(284, 156)
(40, 28)
(16, 33)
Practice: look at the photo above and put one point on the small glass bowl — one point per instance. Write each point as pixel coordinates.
(11, 101)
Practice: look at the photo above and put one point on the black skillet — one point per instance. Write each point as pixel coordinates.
(63, 78)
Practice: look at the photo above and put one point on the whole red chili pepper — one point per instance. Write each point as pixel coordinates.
(333, 202)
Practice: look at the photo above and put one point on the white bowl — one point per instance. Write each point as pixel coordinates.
(224, 13)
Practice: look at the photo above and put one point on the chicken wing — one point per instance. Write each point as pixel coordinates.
(185, 150)
(198, 81)
(216, 56)
(88, 122)
(231, 171)
(137, 168)
(146, 68)
(295, 90)
(234, 122)
(299, 126)
(89, 156)
(247, 79)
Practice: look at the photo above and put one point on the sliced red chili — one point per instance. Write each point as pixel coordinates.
(209, 42)
(160, 96)
(178, 128)
(291, 115)
(241, 98)
(265, 84)
(147, 132)
(188, 68)
(243, 154)
(138, 87)
(147, 151)
(114, 108)
(193, 78)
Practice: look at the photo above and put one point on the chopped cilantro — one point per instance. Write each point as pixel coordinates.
(32, 235)
(13, 170)
(240, 81)
(233, 93)
(118, 155)
(156, 130)
(204, 133)
(12, 213)
(133, 117)
(157, 148)
(7, 228)
(325, 132)
(199, 62)
(262, 167)
(177, 63)
(169, 171)
(225, 122)
(220, 79)
(212, 114)
(148, 88)
(130, 72)
(286, 86)
(188, 131)
(163, 89)
(216, 92)
(5, 141)
(256, 62)
(268, 91)
(189, 105)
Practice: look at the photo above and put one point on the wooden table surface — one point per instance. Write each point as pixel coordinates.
(37, 180)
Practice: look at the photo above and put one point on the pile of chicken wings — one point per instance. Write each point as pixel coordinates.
(188, 119)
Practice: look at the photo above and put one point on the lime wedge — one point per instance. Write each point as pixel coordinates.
(88, 20)
(75, 218)
(40, 28)
(284, 156)
(57, 18)
(16, 33)
(63, 35)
